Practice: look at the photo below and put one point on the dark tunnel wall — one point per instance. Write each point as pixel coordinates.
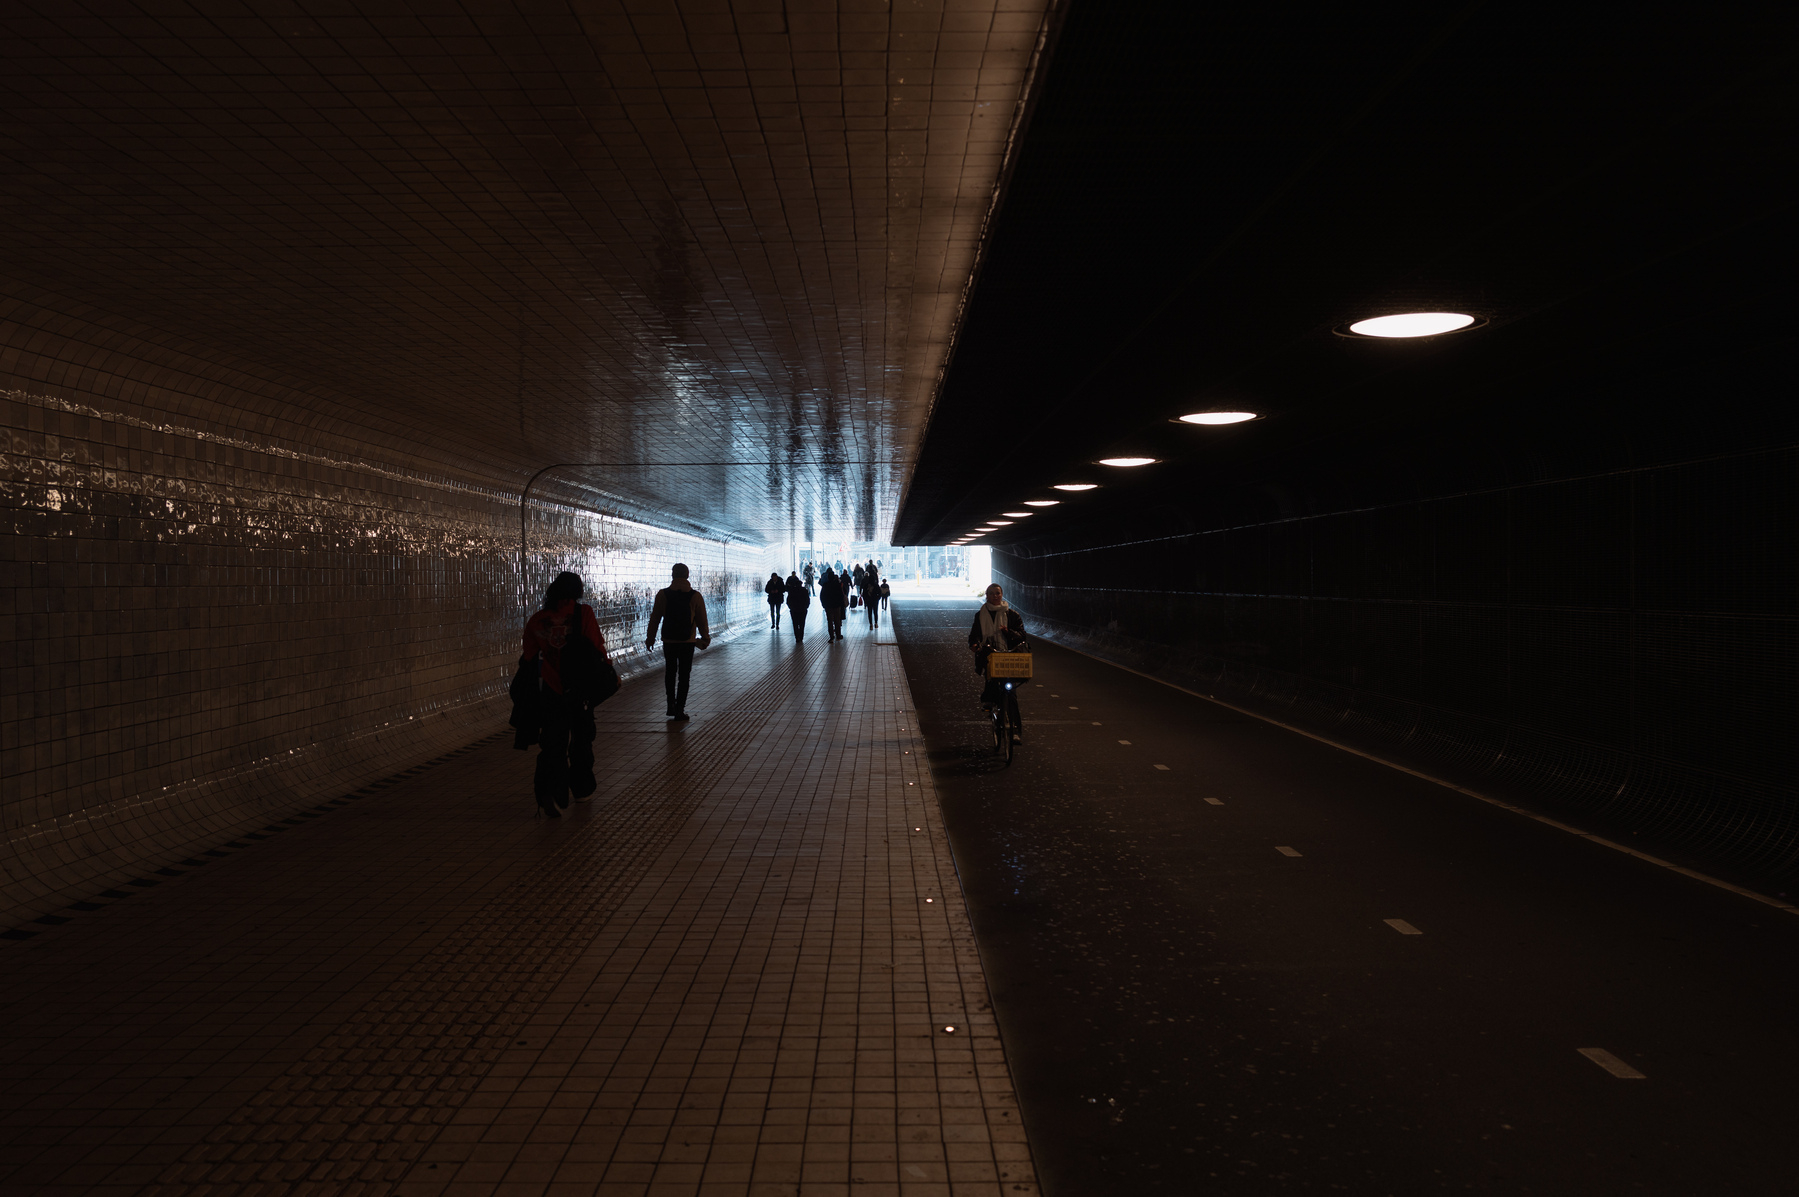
(1620, 647)
(226, 600)
(1550, 558)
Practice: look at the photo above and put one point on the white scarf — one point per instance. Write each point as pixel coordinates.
(993, 621)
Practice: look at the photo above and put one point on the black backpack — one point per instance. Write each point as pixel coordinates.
(677, 615)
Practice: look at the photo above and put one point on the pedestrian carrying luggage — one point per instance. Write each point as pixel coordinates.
(855, 601)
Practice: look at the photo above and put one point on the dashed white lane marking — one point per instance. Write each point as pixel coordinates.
(1611, 1064)
(1214, 802)
(1738, 890)
(1126, 743)
(1163, 768)
(1286, 851)
(1401, 926)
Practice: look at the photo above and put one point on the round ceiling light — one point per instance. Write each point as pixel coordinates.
(1018, 515)
(1041, 502)
(1412, 324)
(1217, 417)
(1077, 486)
(1127, 462)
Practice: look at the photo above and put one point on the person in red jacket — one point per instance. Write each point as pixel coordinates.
(565, 758)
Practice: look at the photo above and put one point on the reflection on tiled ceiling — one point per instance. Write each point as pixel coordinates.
(719, 247)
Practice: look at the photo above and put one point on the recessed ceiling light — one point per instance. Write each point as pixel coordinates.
(1412, 324)
(1019, 515)
(1041, 502)
(1077, 486)
(999, 523)
(1127, 462)
(1218, 417)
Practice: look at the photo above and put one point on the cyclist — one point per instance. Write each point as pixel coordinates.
(997, 628)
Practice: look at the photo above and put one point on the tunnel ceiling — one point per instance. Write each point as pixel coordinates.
(719, 247)
(1205, 192)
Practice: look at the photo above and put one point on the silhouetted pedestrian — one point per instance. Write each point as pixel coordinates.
(680, 611)
(797, 603)
(776, 590)
(550, 707)
(811, 578)
(833, 596)
(871, 594)
(886, 593)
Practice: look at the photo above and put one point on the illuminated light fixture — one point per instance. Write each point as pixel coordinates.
(1041, 502)
(1018, 515)
(999, 523)
(1127, 462)
(1217, 417)
(1412, 324)
(1077, 486)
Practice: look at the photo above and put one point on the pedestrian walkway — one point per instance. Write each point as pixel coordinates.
(744, 967)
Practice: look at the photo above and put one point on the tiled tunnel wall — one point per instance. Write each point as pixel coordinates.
(220, 607)
(1622, 650)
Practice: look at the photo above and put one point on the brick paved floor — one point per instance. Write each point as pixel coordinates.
(733, 972)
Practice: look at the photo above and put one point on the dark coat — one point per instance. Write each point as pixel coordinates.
(797, 598)
(1014, 634)
(831, 593)
(774, 590)
(1015, 639)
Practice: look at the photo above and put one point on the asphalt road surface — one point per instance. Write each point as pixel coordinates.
(1227, 958)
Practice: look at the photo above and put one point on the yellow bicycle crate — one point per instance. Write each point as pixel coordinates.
(1009, 665)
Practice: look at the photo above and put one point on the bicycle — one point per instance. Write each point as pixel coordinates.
(1006, 722)
(1008, 669)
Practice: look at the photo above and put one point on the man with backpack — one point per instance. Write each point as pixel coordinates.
(797, 603)
(871, 594)
(680, 612)
(776, 590)
(833, 596)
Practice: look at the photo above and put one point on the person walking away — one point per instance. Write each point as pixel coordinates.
(886, 593)
(811, 579)
(549, 663)
(871, 594)
(680, 612)
(797, 603)
(857, 576)
(997, 628)
(776, 590)
(833, 597)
